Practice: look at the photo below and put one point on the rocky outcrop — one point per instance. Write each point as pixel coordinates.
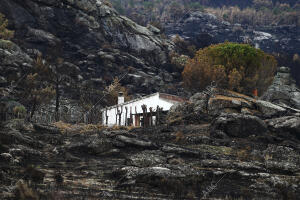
(269, 109)
(14, 62)
(204, 29)
(283, 89)
(186, 112)
(253, 158)
(239, 125)
(129, 141)
(146, 159)
(286, 125)
(203, 107)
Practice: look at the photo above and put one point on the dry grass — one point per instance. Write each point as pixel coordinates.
(191, 195)
(179, 137)
(244, 154)
(268, 157)
(116, 128)
(87, 128)
(241, 95)
(129, 128)
(63, 127)
(226, 98)
(176, 161)
(78, 128)
(281, 14)
(24, 192)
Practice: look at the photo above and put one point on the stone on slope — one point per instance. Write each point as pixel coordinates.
(185, 113)
(220, 103)
(287, 124)
(281, 158)
(180, 150)
(269, 109)
(283, 89)
(46, 128)
(136, 142)
(200, 101)
(6, 157)
(146, 159)
(239, 125)
(94, 145)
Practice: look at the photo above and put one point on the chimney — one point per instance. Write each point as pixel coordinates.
(120, 98)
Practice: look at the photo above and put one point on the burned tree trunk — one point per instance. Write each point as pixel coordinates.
(106, 117)
(151, 122)
(157, 122)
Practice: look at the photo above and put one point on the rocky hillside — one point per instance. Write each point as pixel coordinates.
(221, 145)
(283, 90)
(204, 29)
(217, 145)
(272, 26)
(90, 36)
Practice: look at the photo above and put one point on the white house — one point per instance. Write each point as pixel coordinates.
(131, 113)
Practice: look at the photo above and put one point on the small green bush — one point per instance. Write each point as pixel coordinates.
(4, 32)
(20, 111)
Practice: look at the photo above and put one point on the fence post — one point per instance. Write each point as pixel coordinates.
(157, 115)
(131, 118)
(151, 122)
(144, 108)
(126, 111)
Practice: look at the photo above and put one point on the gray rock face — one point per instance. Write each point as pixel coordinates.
(203, 107)
(283, 89)
(186, 112)
(93, 36)
(200, 101)
(134, 174)
(239, 125)
(146, 159)
(135, 142)
(287, 124)
(13, 61)
(6, 157)
(281, 158)
(269, 109)
(204, 29)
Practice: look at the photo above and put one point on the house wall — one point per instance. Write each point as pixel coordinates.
(135, 106)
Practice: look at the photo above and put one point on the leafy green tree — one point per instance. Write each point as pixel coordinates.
(20, 111)
(245, 68)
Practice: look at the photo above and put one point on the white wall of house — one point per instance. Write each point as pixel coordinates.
(136, 107)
